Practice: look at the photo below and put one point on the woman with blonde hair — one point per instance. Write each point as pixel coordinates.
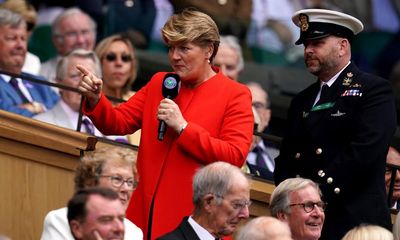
(209, 120)
(119, 66)
(368, 232)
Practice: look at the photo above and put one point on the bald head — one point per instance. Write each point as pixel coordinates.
(265, 228)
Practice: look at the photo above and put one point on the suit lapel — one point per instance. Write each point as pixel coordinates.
(32, 91)
(11, 93)
(343, 82)
(187, 230)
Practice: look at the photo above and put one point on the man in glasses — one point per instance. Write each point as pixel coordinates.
(72, 29)
(393, 158)
(297, 201)
(221, 194)
(260, 160)
(110, 167)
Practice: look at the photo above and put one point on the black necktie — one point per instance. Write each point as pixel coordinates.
(260, 160)
(324, 94)
(88, 126)
(14, 84)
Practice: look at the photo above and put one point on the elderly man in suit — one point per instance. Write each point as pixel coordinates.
(72, 29)
(339, 129)
(221, 194)
(16, 93)
(260, 160)
(66, 112)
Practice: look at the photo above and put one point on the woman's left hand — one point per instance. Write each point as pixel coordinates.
(169, 112)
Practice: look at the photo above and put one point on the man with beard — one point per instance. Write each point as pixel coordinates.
(16, 94)
(339, 129)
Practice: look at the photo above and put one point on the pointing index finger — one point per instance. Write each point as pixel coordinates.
(84, 71)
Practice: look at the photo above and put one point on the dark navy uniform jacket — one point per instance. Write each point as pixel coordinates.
(342, 144)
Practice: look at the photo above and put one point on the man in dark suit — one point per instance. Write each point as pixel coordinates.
(260, 160)
(16, 94)
(221, 194)
(393, 158)
(339, 137)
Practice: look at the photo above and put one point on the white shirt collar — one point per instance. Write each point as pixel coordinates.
(201, 232)
(21, 85)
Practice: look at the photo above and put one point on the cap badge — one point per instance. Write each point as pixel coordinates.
(303, 22)
(347, 80)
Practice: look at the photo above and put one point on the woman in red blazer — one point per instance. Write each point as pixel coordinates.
(210, 120)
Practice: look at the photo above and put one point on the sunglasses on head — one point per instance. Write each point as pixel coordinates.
(111, 57)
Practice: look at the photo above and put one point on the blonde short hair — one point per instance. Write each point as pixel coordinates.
(191, 26)
(368, 232)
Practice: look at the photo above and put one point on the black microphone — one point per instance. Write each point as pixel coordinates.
(170, 89)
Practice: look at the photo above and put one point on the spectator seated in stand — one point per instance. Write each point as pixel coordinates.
(32, 62)
(96, 213)
(393, 157)
(297, 201)
(221, 198)
(261, 160)
(264, 228)
(368, 232)
(229, 57)
(72, 29)
(66, 112)
(16, 93)
(109, 167)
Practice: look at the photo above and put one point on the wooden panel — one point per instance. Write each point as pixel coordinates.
(28, 191)
(260, 194)
(37, 164)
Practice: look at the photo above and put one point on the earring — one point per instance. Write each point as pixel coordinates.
(208, 60)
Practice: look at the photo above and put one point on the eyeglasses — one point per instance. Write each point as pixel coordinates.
(111, 57)
(237, 204)
(259, 105)
(75, 34)
(309, 206)
(118, 181)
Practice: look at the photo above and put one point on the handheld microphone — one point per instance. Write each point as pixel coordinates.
(170, 89)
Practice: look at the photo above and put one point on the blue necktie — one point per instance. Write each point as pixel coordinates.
(260, 160)
(88, 126)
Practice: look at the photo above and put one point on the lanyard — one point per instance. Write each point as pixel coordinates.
(319, 107)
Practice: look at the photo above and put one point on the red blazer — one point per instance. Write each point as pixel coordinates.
(220, 128)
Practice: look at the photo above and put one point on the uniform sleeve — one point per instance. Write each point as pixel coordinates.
(365, 156)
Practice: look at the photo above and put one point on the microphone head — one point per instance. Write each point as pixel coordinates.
(171, 85)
